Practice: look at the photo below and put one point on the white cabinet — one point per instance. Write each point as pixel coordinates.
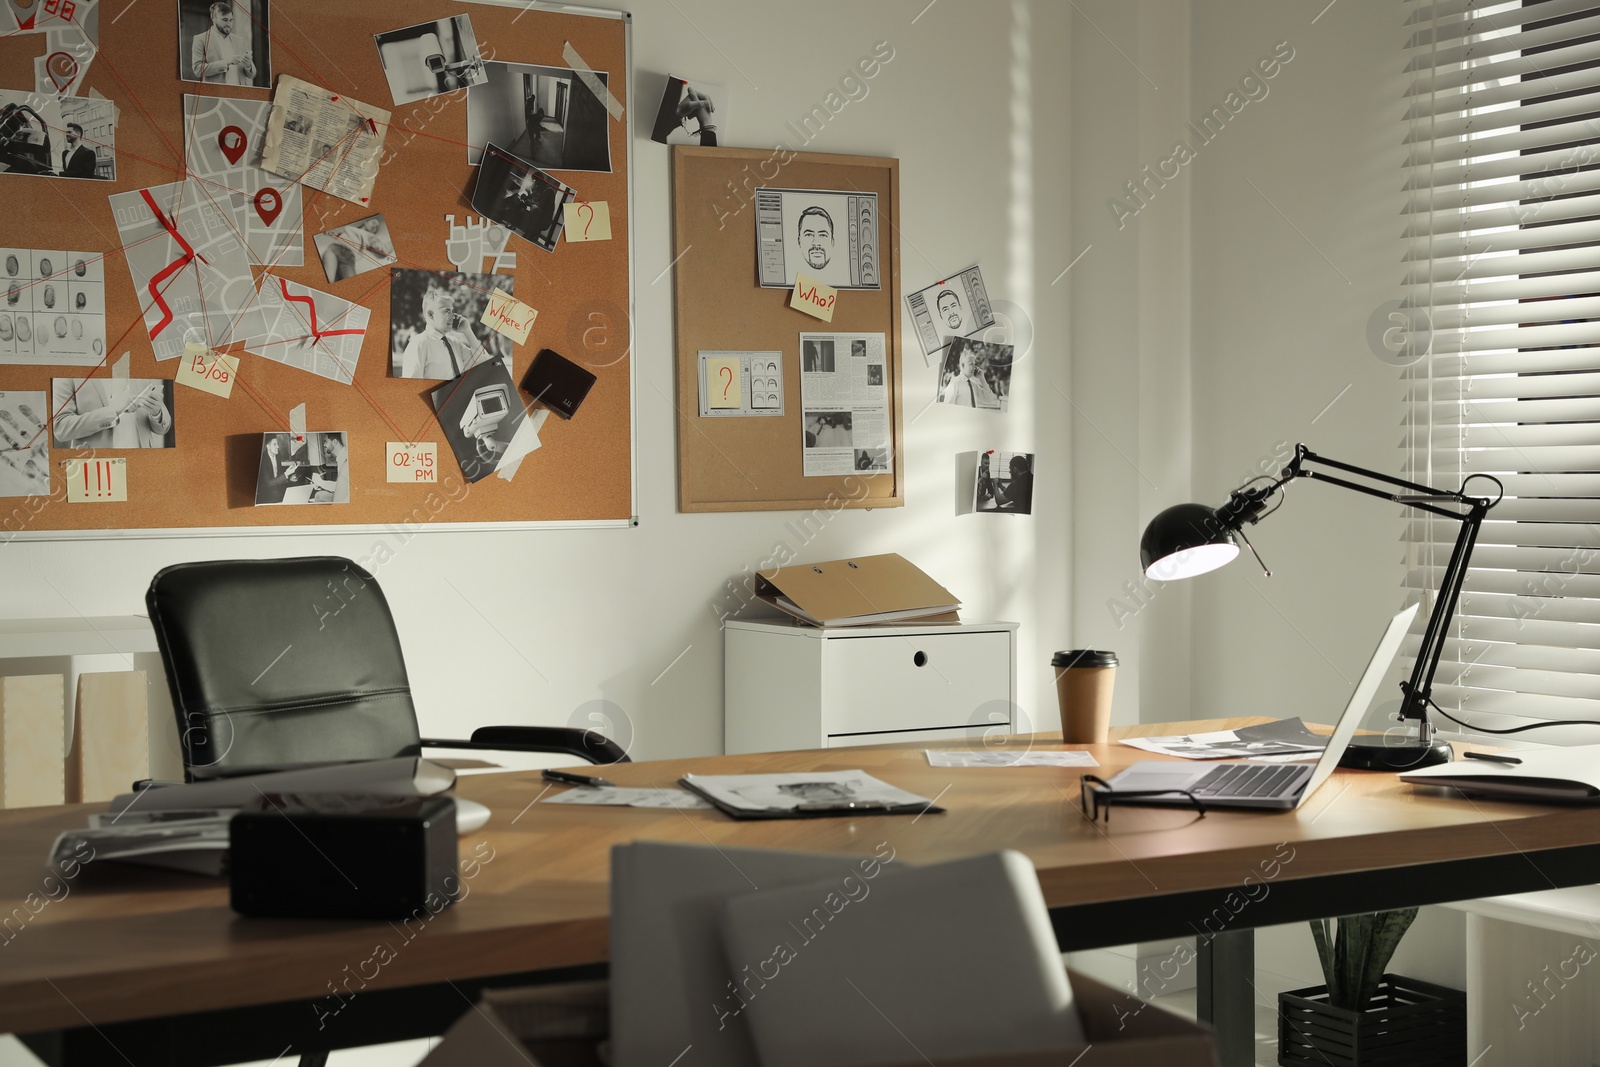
(793, 686)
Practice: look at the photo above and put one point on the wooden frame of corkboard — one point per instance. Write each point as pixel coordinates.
(754, 463)
(583, 474)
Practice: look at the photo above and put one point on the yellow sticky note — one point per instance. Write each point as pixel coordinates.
(210, 372)
(724, 383)
(96, 481)
(414, 462)
(508, 315)
(813, 298)
(588, 221)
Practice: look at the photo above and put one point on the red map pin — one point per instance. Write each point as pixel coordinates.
(268, 205)
(232, 141)
(63, 69)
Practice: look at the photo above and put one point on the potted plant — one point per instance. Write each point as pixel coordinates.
(1364, 1017)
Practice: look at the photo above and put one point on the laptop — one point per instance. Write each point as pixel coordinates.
(1275, 786)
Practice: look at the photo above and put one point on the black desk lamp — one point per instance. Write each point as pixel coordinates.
(1191, 539)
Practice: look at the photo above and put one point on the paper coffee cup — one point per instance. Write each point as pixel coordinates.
(1084, 681)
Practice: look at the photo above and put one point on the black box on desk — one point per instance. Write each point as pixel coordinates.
(344, 857)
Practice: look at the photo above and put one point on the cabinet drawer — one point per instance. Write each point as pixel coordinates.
(916, 682)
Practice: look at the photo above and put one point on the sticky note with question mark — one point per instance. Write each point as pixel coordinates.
(724, 383)
(588, 221)
(814, 298)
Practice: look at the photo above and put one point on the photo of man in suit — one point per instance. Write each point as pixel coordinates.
(439, 351)
(77, 158)
(277, 471)
(111, 413)
(220, 51)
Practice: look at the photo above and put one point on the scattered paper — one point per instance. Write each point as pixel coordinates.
(588, 221)
(355, 248)
(479, 414)
(96, 481)
(619, 796)
(790, 790)
(324, 140)
(222, 141)
(298, 326)
(508, 316)
(1281, 737)
(190, 272)
(938, 757)
(830, 236)
(845, 398)
(952, 307)
(523, 444)
(413, 462)
(519, 195)
(208, 371)
(814, 298)
(24, 444)
(691, 112)
(55, 307)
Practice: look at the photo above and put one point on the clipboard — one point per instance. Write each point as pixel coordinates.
(812, 810)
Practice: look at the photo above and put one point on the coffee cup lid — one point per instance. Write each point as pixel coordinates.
(1084, 657)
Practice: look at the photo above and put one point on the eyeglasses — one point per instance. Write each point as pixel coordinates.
(1098, 796)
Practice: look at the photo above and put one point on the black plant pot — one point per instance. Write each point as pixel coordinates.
(1409, 1024)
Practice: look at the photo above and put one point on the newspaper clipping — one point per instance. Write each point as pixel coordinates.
(845, 403)
(324, 140)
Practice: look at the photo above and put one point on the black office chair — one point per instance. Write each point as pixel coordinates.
(283, 662)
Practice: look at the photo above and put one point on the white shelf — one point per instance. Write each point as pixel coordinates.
(77, 636)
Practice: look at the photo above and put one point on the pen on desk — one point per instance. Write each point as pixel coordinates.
(1493, 757)
(576, 779)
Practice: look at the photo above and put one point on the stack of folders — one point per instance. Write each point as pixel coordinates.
(741, 953)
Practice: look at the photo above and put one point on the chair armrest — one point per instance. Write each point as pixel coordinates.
(591, 746)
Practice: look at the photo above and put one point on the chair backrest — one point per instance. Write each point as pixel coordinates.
(283, 661)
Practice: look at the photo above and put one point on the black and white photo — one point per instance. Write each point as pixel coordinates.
(1004, 483)
(691, 112)
(224, 42)
(24, 444)
(304, 468)
(816, 356)
(976, 374)
(111, 413)
(872, 459)
(479, 414)
(430, 58)
(957, 306)
(829, 236)
(521, 197)
(829, 429)
(435, 322)
(545, 115)
(355, 248)
(57, 136)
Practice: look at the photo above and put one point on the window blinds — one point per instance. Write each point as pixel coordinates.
(1502, 287)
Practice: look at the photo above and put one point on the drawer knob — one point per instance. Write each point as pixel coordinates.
(920, 659)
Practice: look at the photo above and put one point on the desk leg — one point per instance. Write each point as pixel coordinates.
(1226, 994)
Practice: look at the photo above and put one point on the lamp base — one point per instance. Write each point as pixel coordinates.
(1381, 753)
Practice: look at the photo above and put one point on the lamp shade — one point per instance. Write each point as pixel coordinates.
(1185, 540)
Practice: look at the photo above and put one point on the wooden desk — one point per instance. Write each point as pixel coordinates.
(129, 945)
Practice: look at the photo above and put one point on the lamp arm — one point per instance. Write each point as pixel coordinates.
(1245, 505)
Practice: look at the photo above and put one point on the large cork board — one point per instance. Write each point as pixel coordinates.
(755, 463)
(583, 472)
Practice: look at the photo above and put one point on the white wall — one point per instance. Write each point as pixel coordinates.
(534, 627)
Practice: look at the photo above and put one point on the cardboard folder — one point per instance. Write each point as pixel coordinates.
(853, 592)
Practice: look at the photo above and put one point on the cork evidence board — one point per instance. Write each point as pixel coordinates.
(129, 100)
(734, 306)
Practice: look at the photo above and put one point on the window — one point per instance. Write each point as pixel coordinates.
(1502, 287)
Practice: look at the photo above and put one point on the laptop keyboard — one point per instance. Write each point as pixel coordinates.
(1245, 780)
